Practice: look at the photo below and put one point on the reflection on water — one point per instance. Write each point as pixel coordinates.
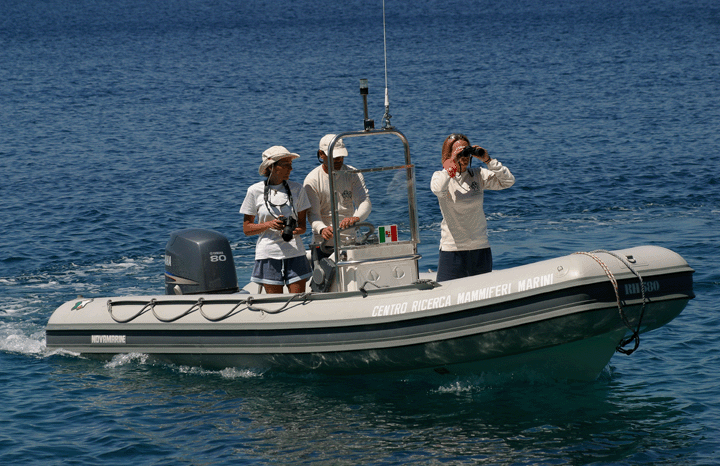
(479, 418)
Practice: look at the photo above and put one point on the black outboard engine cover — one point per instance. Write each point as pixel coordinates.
(199, 261)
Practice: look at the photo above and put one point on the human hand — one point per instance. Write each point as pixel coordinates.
(450, 165)
(481, 154)
(348, 222)
(276, 224)
(327, 233)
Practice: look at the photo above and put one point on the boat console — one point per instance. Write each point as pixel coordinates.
(386, 254)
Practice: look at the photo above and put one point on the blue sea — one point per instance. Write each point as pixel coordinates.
(122, 121)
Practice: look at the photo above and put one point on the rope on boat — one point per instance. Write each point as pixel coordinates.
(420, 284)
(362, 289)
(198, 306)
(231, 312)
(304, 297)
(151, 307)
(426, 284)
(250, 303)
(635, 337)
(143, 310)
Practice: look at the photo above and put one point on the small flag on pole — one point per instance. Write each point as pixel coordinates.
(387, 233)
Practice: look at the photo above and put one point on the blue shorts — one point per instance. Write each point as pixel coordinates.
(281, 271)
(459, 264)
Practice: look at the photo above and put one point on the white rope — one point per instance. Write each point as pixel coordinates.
(636, 331)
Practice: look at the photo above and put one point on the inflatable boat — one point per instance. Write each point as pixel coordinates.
(370, 310)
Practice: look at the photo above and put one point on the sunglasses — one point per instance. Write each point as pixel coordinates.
(457, 137)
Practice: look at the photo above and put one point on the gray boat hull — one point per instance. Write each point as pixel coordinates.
(562, 317)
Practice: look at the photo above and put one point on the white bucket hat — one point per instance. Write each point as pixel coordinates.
(272, 155)
(339, 149)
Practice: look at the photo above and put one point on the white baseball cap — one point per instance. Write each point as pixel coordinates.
(339, 149)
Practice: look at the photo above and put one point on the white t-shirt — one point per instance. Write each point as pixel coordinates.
(270, 244)
(351, 195)
(464, 227)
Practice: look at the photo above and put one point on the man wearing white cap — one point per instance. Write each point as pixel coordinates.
(350, 192)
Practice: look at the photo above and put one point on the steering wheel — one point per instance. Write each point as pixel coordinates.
(327, 246)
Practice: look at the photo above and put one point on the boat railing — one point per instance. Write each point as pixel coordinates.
(378, 259)
(354, 263)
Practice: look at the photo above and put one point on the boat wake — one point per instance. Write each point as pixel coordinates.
(13, 340)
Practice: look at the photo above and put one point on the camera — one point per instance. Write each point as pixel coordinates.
(470, 151)
(289, 225)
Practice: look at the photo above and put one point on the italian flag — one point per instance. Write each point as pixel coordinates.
(387, 233)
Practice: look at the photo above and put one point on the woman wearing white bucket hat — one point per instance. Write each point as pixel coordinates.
(280, 207)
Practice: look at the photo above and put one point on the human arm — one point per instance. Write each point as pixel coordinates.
(440, 182)
(314, 214)
(301, 223)
(451, 166)
(360, 201)
(250, 228)
(250, 210)
(362, 197)
(496, 176)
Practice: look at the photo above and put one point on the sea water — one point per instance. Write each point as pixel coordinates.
(123, 121)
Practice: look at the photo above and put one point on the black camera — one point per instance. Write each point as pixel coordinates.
(470, 151)
(289, 225)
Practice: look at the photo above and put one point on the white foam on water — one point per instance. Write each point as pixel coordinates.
(13, 340)
(120, 360)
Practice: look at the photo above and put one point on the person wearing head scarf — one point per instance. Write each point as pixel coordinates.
(276, 210)
(464, 245)
(351, 194)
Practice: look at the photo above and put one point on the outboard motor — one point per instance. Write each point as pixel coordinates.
(199, 261)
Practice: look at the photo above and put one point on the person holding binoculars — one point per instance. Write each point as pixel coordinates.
(280, 207)
(464, 246)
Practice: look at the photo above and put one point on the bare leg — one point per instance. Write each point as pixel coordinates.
(297, 287)
(273, 289)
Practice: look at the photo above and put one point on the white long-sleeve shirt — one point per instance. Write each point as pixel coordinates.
(350, 193)
(464, 226)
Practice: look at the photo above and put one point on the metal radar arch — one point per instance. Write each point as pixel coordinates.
(360, 264)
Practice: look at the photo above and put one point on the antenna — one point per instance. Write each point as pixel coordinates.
(370, 124)
(386, 118)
